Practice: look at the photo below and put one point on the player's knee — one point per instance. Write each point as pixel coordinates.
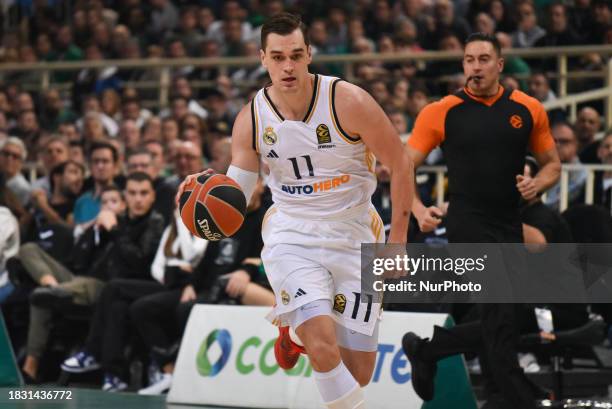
(323, 354)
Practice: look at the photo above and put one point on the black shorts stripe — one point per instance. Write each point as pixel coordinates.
(333, 104)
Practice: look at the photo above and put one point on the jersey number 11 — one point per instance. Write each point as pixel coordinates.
(296, 168)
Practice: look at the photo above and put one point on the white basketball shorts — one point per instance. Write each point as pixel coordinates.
(313, 259)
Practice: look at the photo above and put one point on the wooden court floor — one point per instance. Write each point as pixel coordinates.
(90, 399)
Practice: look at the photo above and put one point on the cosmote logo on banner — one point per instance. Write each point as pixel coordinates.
(254, 354)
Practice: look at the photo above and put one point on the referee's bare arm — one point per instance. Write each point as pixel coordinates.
(361, 116)
(542, 146)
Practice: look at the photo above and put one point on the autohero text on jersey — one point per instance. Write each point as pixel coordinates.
(322, 186)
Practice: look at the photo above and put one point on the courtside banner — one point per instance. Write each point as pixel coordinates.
(227, 358)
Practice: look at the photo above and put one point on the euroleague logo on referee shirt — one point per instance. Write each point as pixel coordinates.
(516, 121)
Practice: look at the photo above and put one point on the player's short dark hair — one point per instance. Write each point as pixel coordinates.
(139, 177)
(104, 145)
(283, 24)
(480, 36)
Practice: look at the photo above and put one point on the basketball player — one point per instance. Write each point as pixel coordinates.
(320, 137)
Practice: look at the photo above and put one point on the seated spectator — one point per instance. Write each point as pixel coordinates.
(78, 279)
(93, 111)
(500, 11)
(55, 111)
(170, 130)
(528, 31)
(54, 153)
(136, 238)
(187, 31)
(129, 134)
(13, 154)
(228, 273)
(588, 126)
(141, 160)
(158, 156)
(447, 21)
(164, 17)
(10, 201)
(9, 247)
(567, 147)
(603, 180)
(602, 16)
(77, 153)
(131, 109)
(103, 160)
(182, 87)
(66, 183)
(69, 131)
(28, 129)
(539, 88)
(580, 19)
(541, 224)
(513, 65)
(559, 33)
(187, 161)
(151, 130)
(111, 103)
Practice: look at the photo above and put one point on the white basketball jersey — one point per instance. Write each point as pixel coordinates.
(316, 168)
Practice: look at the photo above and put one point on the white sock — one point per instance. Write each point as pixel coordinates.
(294, 337)
(336, 384)
(352, 400)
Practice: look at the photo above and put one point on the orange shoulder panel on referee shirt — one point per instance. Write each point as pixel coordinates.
(541, 139)
(428, 129)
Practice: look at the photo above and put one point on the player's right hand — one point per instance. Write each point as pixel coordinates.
(188, 180)
(429, 219)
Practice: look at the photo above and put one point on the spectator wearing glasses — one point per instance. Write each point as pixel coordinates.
(103, 159)
(187, 161)
(567, 147)
(12, 155)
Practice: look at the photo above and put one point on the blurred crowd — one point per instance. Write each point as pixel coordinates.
(88, 170)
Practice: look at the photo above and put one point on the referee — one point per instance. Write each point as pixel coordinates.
(484, 132)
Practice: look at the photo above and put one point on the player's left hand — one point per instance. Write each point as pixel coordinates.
(526, 186)
(237, 283)
(188, 180)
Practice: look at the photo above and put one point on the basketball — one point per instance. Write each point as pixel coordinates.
(212, 207)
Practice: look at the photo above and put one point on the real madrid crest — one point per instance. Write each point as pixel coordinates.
(285, 297)
(269, 136)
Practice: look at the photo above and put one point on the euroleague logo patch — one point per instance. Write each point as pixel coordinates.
(324, 137)
(516, 121)
(340, 303)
